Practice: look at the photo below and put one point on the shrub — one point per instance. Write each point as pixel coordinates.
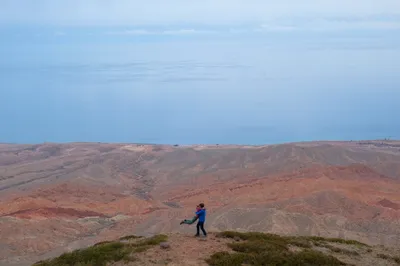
(311, 257)
(306, 257)
(383, 256)
(387, 257)
(336, 240)
(268, 249)
(227, 259)
(96, 255)
(258, 246)
(129, 237)
(104, 252)
(154, 240)
(342, 250)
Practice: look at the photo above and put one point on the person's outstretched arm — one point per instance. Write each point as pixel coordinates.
(199, 212)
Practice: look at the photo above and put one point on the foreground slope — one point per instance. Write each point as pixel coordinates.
(228, 248)
(59, 197)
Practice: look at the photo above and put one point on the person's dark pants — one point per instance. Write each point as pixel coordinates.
(200, 225)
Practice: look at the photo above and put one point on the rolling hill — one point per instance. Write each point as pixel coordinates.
(59, 197)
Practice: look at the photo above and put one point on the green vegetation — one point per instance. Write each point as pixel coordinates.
(342, 250)
(96, 255)
(305, 257)
(299, 241)
(338, 250)
(387, 257)
(104, 252)
(250, 248)
(155, 240)
(145, 244)
(268, 249)
(383, 256)
(337, 240)
(129, 237)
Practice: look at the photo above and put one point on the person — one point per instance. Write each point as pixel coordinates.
(201, 213)
(194, 219)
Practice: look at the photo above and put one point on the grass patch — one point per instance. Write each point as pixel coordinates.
(336, 240)
(96, 255)
(129, 237)
(104, 252)
(227, 259)
(154, 240)
(306, 257)
(145, 244)
(248, 235)
(102, 243)
(312, 257)
(342, 250)
(258, 246)
(140, 249)
(269, 249)
(268, 238)
(300, 241)
(383, 256)
(387, 257)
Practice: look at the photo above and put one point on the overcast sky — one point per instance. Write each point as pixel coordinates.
(205, 71)
(269, 14)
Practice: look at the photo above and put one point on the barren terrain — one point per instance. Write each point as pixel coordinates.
(59, 197)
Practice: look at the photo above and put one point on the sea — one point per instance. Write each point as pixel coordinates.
(197, 91)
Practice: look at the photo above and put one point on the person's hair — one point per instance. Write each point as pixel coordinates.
(201, 205)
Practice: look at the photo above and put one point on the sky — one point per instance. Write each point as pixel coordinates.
(361, 24)
(264, 15)
(225, 66)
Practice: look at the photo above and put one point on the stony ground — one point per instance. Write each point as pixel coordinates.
(60, 197)
(186, 250)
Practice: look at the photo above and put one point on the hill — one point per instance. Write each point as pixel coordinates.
(60, 197)
(228, 248)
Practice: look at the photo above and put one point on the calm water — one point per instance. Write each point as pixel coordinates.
(197, 92)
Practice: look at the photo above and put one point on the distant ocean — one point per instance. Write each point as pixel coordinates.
(196, 92)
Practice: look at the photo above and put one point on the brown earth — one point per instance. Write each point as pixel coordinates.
(185, 250)
(59, 197)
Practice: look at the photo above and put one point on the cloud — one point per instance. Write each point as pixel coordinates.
(267, 27)
(180, 32)
(160, 32)
(162, 12)
(326, 25)
(187, 32)
(130, 32)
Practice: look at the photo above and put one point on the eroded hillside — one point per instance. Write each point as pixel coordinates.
(59, 197)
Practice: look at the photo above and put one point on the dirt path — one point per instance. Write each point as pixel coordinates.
(185, 250)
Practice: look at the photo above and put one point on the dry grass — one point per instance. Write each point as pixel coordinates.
(105, 252)
(227, 249)
(395, 259)
(269, 249)
(130, 237)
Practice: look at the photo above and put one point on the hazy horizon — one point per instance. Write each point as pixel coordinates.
(227, 72)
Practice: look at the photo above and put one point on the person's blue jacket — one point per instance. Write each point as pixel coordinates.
(202, 215)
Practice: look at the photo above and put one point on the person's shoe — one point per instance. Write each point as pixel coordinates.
(196, 235)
